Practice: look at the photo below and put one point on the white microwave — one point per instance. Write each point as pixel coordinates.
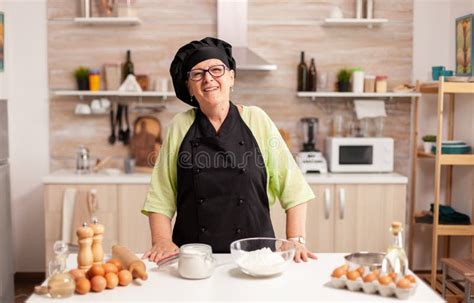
(359, 155)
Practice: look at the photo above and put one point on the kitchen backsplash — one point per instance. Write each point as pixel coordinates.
(277, 30)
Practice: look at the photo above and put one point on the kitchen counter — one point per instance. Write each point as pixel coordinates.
(301, 282)
(70, 177)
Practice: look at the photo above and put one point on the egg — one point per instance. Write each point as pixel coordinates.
(393, 275)
(117, 263)
(98, 283)
(112, 280)
(338, 272)
(376, 272)
(370, 277)
(385, 280)
(83, 285)
(361, 270)
(77, 273)
(110, 267)
(96, 270)
(404, 283)
(411, 278)
(125, 277)
(353, 275)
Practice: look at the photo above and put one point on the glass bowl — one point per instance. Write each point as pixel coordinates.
(262, 257)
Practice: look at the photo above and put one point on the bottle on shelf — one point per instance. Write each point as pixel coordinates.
(396, 259)
(312, 77)
(302, 74)
(128, 66)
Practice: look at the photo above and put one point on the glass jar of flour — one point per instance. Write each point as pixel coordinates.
(196, 261)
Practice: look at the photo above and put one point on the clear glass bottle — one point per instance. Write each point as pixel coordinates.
(396, 259)
(60, 283)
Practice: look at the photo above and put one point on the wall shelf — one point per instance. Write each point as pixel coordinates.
(314, 95)
(352, 22)
(127, 21)
(108, 93)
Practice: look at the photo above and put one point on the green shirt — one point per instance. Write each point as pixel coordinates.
(285, 181)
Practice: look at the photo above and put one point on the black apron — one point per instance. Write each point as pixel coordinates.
(222, 195)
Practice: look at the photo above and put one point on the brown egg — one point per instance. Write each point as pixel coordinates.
(393, 275)
(353, 275)
(410, 278)
(361, 270)
(96, 270)
(338, 272)
(112, 280)
(98, 283)
(385, 280)
(77, 273)
(83, 285)
(125, 277)
(117, 263)
(404, 283)
(376, 272)
(370, 277)
(110, 267)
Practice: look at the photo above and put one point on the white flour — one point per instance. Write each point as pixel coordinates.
(262, 262)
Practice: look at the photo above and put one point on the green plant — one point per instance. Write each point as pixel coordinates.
(429, 138)
(81, 72)
(344, 76)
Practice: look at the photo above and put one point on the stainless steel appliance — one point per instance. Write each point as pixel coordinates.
(359, 155)
(82, 160)
(6, 253)
(311, 160)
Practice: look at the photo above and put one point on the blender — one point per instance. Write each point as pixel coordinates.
(310, 159)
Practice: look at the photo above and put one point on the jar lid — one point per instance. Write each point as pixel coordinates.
(195, 249)
(381, 77)
(94, 71)
(370, 77)
(357, 69)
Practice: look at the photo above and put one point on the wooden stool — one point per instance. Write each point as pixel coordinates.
(464, 267)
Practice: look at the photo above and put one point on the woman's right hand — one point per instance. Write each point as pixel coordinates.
(161, 249)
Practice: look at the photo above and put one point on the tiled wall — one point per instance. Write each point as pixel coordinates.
(278, 31)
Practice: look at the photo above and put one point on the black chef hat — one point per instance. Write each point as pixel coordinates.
(191, 54)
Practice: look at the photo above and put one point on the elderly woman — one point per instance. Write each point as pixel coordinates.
(222, 166)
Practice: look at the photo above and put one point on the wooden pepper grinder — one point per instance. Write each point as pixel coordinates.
(85, 257)
(97, 248)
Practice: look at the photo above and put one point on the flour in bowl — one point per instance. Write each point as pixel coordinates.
(262, 262)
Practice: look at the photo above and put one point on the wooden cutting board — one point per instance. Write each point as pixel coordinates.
(146, 142)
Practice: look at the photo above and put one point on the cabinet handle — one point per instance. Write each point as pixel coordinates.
(342, 203)
(327, 202)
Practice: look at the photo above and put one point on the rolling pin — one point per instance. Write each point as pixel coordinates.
(130, 261)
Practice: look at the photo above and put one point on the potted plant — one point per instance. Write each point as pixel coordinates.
(343, 80)
(82, 78)
(428, 141)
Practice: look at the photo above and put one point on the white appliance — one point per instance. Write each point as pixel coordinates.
(310, 159)
(360, 155)
(6, 253)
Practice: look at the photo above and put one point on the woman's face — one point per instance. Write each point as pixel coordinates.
(211, 90)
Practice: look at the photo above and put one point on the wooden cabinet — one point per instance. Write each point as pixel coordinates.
(349, 217)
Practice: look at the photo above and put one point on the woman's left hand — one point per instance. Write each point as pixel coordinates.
(302, 253)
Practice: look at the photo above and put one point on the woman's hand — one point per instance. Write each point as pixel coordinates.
(161, 249)
(302, 253)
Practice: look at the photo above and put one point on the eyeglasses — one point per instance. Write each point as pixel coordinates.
(215, 71)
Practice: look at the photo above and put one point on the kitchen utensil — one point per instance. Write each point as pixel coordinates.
(262, 257)
(82, 160)
(126, 134)
(365, 259)
(146, 142)
(100, 164)
(129, 165)
(112, 137)
(130, 261)
(310, 159)
(121, 133)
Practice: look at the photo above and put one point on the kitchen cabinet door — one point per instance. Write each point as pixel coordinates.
(106, 213)
(364, 213)
(133, 227)
(319, 220)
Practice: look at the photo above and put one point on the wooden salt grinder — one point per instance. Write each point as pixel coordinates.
(85, 257)
(97, 248)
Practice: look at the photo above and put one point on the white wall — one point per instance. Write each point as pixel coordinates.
(433, 44)
(27, 92)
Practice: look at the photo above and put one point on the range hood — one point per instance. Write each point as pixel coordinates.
(232, 27)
